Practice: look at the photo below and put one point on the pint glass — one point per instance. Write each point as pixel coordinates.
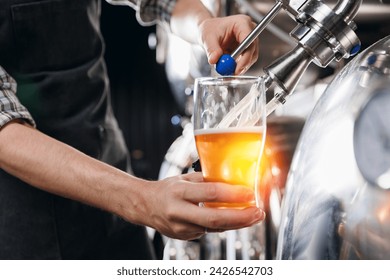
(229, 127)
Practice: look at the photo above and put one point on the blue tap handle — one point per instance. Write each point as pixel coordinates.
(226, 65)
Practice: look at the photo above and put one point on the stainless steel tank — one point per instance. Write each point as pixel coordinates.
(337, 197)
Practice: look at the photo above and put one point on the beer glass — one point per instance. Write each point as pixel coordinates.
(229, 127)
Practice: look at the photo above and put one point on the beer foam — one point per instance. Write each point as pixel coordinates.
(248, 129)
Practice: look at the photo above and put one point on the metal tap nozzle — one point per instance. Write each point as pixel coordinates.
(323, 35)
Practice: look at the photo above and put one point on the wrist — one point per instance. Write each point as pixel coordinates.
(129, 199)
(187, 19)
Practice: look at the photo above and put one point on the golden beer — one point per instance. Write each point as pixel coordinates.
(232, 156)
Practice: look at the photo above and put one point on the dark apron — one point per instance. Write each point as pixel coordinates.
(54, 50)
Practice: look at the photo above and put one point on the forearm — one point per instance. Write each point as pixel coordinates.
(186, 18)
(60, 169)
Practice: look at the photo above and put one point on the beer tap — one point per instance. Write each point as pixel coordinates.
(323, 35)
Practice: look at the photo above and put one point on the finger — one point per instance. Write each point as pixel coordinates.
(218, 192)
(225, 37)
(214, 56)
(247, 59)
(185, 231)
(213, 49)
(195, 177)
(216, 220)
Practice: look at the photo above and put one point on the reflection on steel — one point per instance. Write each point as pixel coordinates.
(323, 35)
(337, 200)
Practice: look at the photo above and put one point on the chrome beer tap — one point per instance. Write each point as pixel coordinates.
(323, 35)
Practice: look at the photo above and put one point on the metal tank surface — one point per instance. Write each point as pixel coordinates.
(337, 199)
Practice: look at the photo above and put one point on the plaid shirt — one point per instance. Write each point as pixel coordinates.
(10, 107)
(148, 12)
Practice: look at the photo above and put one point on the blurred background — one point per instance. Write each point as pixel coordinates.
(141, 94)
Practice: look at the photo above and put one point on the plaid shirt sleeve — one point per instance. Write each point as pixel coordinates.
(149, 12)
(10, 107)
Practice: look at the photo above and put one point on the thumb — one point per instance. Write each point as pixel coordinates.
(212, 48)
(214, 56)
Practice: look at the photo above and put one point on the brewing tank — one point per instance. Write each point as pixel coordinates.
(337, 199)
